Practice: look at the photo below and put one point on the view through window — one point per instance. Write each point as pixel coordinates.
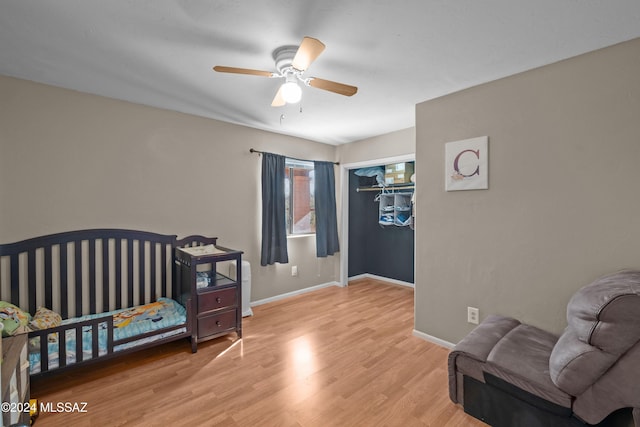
(300, 203)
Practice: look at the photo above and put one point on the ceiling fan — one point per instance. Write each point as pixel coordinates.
(291, 63)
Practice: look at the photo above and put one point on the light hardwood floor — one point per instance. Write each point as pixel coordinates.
(333, 357)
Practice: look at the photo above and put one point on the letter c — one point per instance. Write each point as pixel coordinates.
(455, 162)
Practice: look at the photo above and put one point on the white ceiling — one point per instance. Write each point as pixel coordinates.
(398, 53)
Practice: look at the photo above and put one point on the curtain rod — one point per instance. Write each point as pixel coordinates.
(253, 150)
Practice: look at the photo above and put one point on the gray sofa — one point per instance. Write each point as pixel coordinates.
(511, 374)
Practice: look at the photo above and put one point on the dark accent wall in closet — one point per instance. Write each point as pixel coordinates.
(386, 251)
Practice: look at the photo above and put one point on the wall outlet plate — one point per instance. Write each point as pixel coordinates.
(473, 315)
(294, 270)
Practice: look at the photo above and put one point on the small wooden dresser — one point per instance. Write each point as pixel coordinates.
(216, 305)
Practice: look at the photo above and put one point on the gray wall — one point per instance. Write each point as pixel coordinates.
(563, 203)
(398, 143)
(70, 161)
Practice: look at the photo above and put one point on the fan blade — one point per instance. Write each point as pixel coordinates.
(278, 100)
(308, 51)
(340, 88)
(234, 70)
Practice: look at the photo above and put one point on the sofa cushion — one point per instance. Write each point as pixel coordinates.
(521, 358)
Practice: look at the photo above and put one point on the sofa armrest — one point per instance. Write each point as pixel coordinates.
(480, 341)
(475, 348)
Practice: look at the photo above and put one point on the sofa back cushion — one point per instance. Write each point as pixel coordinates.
(603, 323)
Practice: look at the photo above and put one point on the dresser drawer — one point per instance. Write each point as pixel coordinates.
(215, 300)
(217, 323)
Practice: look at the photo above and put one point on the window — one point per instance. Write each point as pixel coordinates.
(299, 199)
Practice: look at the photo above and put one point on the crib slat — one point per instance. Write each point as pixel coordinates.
(94, 340)
(77, 248)
(15, 280)
(152, 271)
(64, 295)
(44, 353)
(105, 275)
(118, 260)
(163, 269)
(167, 270)
(92, 276)
(141, 271)
(48, 281)
(79, 353)
(62, 348)
(129, 273)
(110, 335)
(31, 279)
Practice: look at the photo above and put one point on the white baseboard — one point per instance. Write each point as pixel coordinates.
(294, 293)
(433, 339)
(384, 279)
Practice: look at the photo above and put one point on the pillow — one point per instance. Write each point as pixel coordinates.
(13, 319)
(45, 318)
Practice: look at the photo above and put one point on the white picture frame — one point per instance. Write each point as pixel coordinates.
(467, 164)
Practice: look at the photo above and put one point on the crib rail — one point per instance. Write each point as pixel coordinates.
(93, 326)
(38, 341)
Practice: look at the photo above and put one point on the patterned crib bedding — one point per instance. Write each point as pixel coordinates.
(127, 324)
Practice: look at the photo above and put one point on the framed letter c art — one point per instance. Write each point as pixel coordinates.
(467, 164)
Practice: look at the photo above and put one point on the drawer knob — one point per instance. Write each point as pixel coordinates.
(218, 324)
(218, 300)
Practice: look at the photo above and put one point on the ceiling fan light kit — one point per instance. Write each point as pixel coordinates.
(291, 63)
(291, 92)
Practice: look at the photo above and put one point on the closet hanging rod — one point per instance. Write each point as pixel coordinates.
(403, 187)
(253, 150)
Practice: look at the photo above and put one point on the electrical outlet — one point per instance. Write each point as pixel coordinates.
(294, 270)
(473, 315)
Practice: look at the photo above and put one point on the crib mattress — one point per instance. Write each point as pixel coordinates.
(127, 323)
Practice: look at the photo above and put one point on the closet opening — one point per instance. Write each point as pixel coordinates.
(378, 240)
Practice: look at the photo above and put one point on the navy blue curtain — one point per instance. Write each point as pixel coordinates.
(274, 222)
(325, 204)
